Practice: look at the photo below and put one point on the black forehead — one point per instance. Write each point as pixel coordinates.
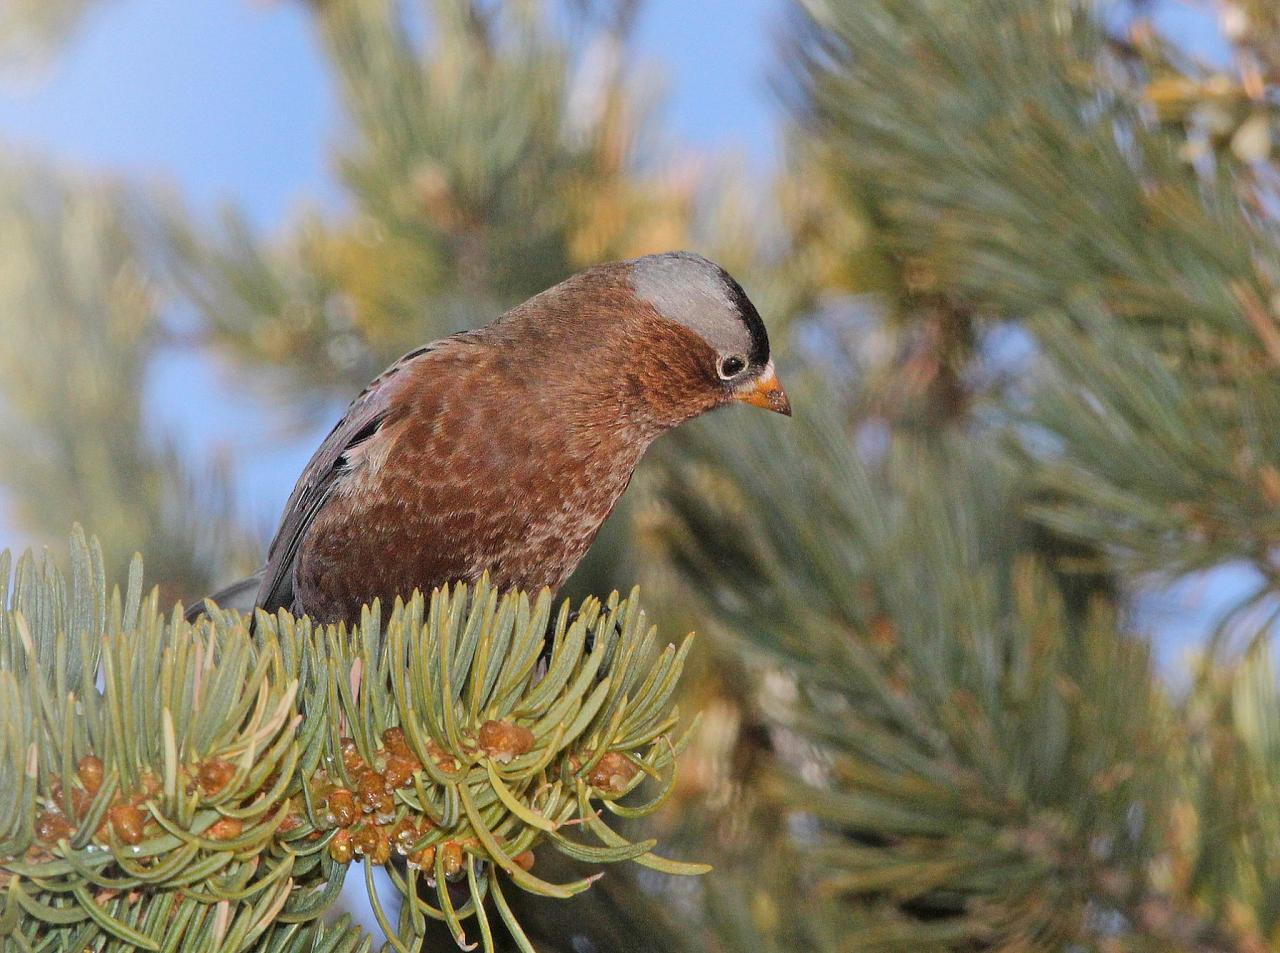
(750, 317)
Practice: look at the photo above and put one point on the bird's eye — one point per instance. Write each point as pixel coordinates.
(731, 366)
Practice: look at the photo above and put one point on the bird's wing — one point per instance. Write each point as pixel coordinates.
(366, 414)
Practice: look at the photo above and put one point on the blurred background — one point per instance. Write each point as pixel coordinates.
(987, 624)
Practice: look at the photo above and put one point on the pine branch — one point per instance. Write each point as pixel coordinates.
(1020, 177)
(970, 759)
(164, 783)
(1228, 838)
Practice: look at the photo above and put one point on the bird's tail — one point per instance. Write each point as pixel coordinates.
(240, 596)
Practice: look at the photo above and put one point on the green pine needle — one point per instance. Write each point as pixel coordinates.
(166, 784)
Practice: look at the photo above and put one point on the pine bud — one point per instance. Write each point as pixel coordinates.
(381, 850)
(214, 774)
(127, 823)
(351, 759)
(340, 848)
(52, 826)
(151, 786)
(90, 772)
(404, 835)
(342, 805)
(423, 859)
(502, 740)
(612, 773)
(400, 771)
(394, 740)
(442, 758)
(451, 853)
(369, 790)
(385, 812)
(365, 839)
(81, 801)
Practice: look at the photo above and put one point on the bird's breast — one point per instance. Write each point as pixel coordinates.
(459, 490)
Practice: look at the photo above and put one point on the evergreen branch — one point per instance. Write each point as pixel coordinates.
(1023, 183)
(986, 761)
(163, 783)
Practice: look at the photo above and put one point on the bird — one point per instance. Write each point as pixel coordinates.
(502, 450)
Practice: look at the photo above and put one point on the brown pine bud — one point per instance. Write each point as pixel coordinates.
(884, 634)
(400, 771)
(52, 826)
(127, 823)
(403, 835)
(381, 850)
(225, 828)
(81, 801)
(89, 771)
(385, 812)
(503, 740)
(524, 860)
(442, 758)
(451, 852)
(351, 759)
(341, 848)
(395, 742)
(342, 805)
(369, 791)
(364, 838)
(151, 786)
(214, 774)
(612, 773)
(423, 859)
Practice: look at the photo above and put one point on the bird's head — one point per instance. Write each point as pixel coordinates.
(705, 332)
(648, 343)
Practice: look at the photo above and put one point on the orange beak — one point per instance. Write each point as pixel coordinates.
(766, 392)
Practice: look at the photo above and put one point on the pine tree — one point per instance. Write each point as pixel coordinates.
(483, 164)
(1053, 384)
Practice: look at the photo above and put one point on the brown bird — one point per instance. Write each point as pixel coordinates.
(503, 449)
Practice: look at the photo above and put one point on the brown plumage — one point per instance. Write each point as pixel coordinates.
(502, 450)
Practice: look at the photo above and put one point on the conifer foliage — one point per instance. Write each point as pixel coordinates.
(166, 786)
(962, 719)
